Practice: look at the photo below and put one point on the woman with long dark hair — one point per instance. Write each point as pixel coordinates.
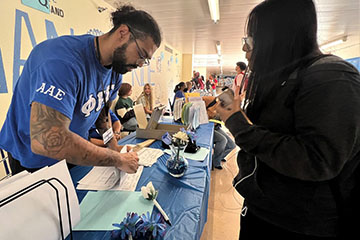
(179, 91)
(298, 130)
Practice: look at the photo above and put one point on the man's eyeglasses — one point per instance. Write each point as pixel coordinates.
(142, 61)
(248, 43)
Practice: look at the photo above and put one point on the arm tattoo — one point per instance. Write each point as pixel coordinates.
(47, 128)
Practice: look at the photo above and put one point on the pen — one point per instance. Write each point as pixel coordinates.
(167, 220)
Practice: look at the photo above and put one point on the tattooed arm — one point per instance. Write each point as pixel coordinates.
(51, 137)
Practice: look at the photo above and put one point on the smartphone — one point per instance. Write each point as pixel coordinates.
(226, 98)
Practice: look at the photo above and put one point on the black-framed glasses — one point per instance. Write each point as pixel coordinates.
(142, 61)
(248, 43)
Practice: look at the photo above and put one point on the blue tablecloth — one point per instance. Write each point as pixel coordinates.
(184, 199)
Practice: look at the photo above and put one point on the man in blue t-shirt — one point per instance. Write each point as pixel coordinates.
(67, 85)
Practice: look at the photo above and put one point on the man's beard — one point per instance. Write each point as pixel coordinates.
(119, 60)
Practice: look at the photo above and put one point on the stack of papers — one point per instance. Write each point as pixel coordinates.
(148, 156)
(109, 178)
(112, 178)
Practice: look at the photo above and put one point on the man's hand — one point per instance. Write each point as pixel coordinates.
(51, 137)
(129, 161)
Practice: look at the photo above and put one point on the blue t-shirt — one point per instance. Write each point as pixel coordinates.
(93, 133)
(62, 73)
(178, 94)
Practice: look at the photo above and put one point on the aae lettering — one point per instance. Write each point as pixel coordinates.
(52, 91)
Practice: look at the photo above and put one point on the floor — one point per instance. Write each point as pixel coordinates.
(224, 203)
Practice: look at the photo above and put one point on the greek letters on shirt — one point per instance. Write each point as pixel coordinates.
(50, 91)
(93, 102)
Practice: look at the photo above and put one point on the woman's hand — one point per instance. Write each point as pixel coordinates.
(226, 111)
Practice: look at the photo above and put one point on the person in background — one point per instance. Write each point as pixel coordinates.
(208, 85)
(198, 81)
(195, 80)
(146, 99)
(57, 98)
(223, 144)
(124, 107)
(189, 87)
(202, 82)
(95, 137)
(213, 82)
(179, 91)
(240, 72)
(300, 132)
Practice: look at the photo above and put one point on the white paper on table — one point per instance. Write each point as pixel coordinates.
(123, 182)
(100, 178)
(147, 156)
(128, 182)
(35, 214)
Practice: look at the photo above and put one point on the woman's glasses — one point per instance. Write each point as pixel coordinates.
(248, 43)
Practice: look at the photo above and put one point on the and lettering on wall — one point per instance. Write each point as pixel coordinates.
(44, 6)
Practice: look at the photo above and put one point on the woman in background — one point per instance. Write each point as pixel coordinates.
(146, 99)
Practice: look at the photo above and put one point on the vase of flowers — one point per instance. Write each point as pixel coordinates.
(176, 163)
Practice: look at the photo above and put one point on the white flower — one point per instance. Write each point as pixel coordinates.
(181, 135)
(149, 191)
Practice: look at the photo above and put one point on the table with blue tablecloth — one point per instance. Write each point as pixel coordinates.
(184, 199)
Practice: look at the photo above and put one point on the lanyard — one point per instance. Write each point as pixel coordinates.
(98, 55)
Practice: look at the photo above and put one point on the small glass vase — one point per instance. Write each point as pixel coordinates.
(177, 163)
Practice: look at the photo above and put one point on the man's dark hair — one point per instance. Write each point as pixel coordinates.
(140, 23)
(241, 65)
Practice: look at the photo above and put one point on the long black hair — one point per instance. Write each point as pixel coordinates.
(140, 22)
(179, 86)
(284, 34)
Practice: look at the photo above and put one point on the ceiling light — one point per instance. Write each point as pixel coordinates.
(333, 42)
(218, 47)
(214, 10)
